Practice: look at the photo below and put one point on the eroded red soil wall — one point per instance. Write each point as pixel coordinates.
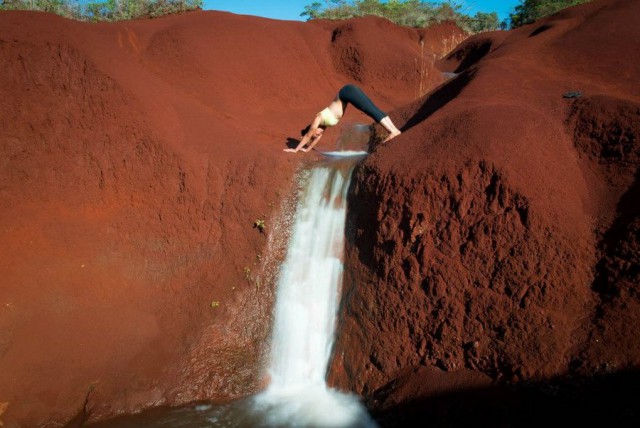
(498, 235)
(135, 158)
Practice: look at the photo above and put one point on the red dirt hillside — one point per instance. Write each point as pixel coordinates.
(135, 159)
(495, 242)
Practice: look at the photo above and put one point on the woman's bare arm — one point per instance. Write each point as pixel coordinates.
(314, 141)
(308, 136)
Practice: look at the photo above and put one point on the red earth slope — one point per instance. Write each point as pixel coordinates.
(497, 239)
(135, 158)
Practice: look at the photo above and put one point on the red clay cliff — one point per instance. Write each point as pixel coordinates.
(136, 158)
(493, 248)
(494, 244)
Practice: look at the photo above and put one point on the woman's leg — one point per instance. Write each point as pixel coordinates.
(354, 95)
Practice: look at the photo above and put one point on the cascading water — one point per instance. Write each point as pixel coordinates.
(308, 294)
(307, 301)
(309, 283)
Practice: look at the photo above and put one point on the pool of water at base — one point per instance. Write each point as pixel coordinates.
(234, 414)
(327, 408)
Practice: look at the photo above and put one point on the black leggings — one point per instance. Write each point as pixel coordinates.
(354, 95)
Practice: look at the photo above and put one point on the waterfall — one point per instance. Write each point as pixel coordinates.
(307, 299)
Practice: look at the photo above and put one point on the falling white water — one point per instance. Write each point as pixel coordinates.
(307, 301)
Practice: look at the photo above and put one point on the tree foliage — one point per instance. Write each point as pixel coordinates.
(106, 10)
(530, 10)
(412, 13)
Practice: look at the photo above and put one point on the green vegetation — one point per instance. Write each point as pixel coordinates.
(420, 13)
(411, 13)
(259, 224)
(530, 10)
(108, 10)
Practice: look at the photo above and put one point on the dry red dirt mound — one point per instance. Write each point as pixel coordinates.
(499, 232)
(135, 159)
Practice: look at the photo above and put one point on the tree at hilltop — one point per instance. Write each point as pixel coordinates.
(410, 13)
(107, 10)
(530, 10)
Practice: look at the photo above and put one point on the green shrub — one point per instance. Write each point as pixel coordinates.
(259, 224)
(410, 13)
(108, 10)
(530, 10)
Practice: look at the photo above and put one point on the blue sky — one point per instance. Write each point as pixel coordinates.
(291, 9)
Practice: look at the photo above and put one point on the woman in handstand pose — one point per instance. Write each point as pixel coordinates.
(334, 112)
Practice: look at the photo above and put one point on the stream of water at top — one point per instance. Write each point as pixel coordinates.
(307, 299)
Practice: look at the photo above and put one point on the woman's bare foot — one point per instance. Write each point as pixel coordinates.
(390, 127)
(391, 135)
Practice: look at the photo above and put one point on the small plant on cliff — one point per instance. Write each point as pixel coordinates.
(259, 224)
